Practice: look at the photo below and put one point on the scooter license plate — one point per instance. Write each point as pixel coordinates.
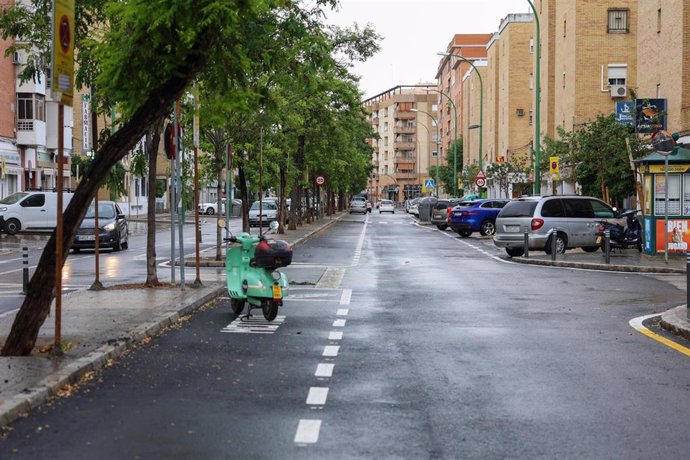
(277, 292)
(598, 240)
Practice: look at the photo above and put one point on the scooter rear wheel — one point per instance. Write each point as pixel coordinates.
(269, 309)
(237, 306)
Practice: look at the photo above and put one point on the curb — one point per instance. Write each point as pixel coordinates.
(595, 266)
(676, 321)
(71, 373)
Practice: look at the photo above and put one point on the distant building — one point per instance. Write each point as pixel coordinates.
(407, 141)
(449, 80)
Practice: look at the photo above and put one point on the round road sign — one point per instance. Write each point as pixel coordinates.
(320, 180)
(480, 182)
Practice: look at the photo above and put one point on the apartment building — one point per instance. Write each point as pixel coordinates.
(472, 103)
(663, 63)
(406, 146)
(449, 75)
(509, 93)
(10, 162)
(589, 58)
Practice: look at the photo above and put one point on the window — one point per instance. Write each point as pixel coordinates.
(531, 116)
(601, 210)
(577, 207)
(34, 201)
(658, 90)
(617, 74)
(565, 26)
(618, 21)
(531, 45)
(553, 208)
(531, 82)
(25, 106)
(658, 21)
(673, 195)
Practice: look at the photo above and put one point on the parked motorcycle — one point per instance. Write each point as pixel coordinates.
(621, 236)
(252, 275)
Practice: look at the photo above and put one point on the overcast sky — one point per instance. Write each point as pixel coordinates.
(414, 31)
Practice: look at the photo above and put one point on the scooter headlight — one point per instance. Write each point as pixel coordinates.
(276, 275)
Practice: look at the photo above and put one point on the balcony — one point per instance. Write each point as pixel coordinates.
(404, 145)
(375, 121)
(405, 115)
(404, 130)
(31, 132)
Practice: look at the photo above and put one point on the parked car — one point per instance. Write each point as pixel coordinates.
(414, 206)
(30, 210)
(440, 211)
(571, 220)
(387, 206)
(359, 206)
(475, 216)
(263, 212)
(113, 230)
(211, 207)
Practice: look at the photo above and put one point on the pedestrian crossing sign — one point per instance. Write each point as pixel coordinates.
(429, 185)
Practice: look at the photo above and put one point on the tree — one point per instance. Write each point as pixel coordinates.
(600, 156)
(445, 170)
(142, 59)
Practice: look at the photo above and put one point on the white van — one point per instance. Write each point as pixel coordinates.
(30, 210)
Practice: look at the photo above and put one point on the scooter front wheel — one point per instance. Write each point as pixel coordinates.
(237, 306)
(270, 309)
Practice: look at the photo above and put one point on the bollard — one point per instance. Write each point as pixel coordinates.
(526, 245)
(607, 246)
(687, 284)
(25, 270)
(553, 244)
(199, 230)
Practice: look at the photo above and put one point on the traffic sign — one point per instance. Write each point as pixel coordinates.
(320, 180)
(480, 179)
(429, 184)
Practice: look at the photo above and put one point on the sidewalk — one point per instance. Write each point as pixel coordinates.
(101, 325)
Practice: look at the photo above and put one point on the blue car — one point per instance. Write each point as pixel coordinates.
(476, 216)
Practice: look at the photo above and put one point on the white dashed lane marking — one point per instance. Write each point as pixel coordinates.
(331, 351)
(317, 396)
(308, 431)
(335, 335)
(254, 325)
(339, 323)
(324, 370)
(342, 312)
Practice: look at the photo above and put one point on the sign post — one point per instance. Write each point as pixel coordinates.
(664, 144)
(480, 180)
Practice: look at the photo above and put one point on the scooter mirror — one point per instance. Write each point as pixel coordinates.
(274, 225)
(222, 223)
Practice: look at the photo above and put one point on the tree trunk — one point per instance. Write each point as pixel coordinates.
(219, 207)
(296, 205)
(152, 142)
(242, 182)
(41, 289)
(283, 207)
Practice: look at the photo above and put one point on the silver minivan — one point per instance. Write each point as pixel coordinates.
(571, 219)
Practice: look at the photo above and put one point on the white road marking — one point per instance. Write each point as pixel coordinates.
(342, 312)
(324, 370)
(331, 351)
(331, 278)
(339, 323)
(360, 244)
(345, 297)
(308, 431)
(335, 335)
(254, 325)
(317, 396)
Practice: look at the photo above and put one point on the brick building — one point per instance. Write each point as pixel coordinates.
(407, 141)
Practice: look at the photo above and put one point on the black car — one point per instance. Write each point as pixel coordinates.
(113, 230)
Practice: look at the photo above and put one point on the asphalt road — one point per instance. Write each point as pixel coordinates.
(398, 342)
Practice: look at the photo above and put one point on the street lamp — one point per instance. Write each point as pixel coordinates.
(455, 140)
(438, 185)
(537, 103)
(481, 105)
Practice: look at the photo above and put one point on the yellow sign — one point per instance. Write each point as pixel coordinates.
(671, 168)
(62, 71)
(553, 166)
(459, 183)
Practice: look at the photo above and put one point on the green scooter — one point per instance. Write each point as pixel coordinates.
(253, 278)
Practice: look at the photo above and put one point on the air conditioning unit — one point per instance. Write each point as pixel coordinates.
(619, 90)
(16, 58)
(520, 112)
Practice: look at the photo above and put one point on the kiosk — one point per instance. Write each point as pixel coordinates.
(678, 231)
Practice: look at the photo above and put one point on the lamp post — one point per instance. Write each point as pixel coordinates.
(481, 106)
(438, 185)
(455, 140)
(537, 103)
